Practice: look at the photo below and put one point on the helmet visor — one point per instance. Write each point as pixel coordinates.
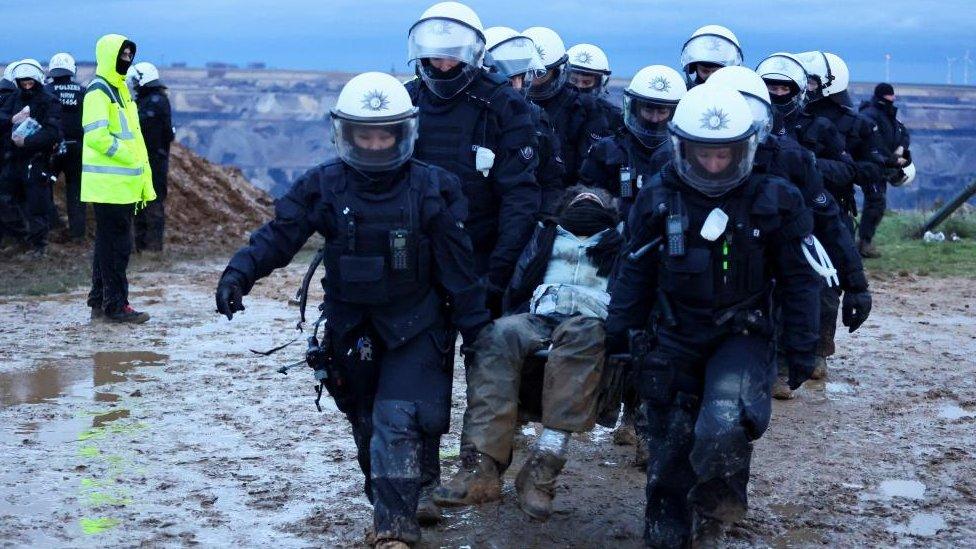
(445, 39)
(762, 114)
(547, 86)
(376, 146)
(586, 80)
(647, 119)
(711, 48)
(713, 169)
(514, 57)
(780, 68)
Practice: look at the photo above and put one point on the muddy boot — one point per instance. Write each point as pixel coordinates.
(127, 315)
(428, 513)
(868, 250)
(707, 532)
(624, 435)
(536, 482)
(642, 453)
(819, 368)
(781, 389)
(477, 481)
(97, 314)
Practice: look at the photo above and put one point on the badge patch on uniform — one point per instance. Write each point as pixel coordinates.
(527, 152)
(595, 137)
(365, 348)
(755, 233)
(808, 240)
(821, 199)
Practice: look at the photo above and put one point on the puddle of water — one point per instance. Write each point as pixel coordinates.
(909, 489)
(922, 525)
(73, 377)
(954, 411)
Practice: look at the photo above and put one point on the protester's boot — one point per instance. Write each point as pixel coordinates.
(624, 434)
(127, 315)
(781, 389)
(536, 482)
(428, 513)
(642, 453)
(819, 368)
(477, 481)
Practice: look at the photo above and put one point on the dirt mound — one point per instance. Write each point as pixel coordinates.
(210, 205)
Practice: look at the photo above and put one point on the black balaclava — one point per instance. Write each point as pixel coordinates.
(122, 67)
(585, 215)
(27, 95)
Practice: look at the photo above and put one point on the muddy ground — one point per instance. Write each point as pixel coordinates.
(173, 433)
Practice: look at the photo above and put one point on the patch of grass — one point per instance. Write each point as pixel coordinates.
(903, 253)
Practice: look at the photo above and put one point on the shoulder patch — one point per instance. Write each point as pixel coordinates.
(527, 152)
(820, 200)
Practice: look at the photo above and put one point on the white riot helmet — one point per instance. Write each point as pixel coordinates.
(374, 123)
(61, 64)
(143, 74)
(714, 139)
(512, 55)
(907, 178)
(711, 45)
(783, 69)
(587, 63)
(649, 103)
(827, 74)
(27, 69)
(753, 88)
(552, 50)
(448, 30)
(7, 82)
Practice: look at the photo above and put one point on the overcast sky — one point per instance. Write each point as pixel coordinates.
(359, 35)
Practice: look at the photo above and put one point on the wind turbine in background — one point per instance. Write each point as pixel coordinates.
(966, 63)
(949, 63)
(887, 67)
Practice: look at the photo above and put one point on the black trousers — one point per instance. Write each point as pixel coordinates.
(400, 409)
(707, 397)
(150, 223)
(113, 246)
(26, 202)
(70, 166)
(875, 202)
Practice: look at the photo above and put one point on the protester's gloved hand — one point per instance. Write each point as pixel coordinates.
(856, 309)
(230, 294)
(800, 367)
(493, 300)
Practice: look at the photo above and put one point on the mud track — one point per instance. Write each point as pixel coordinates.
(173, 433)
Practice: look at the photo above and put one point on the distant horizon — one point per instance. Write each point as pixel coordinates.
(923, 41)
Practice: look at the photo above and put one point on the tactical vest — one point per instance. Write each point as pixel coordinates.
(70, 95)
(379, 253)
(448, 135)
(720, 274)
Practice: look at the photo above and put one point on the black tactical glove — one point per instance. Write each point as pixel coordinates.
(800, 368)
(856, 309)
(616, 344)
(229, 295)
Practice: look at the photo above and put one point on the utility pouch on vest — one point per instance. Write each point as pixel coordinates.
(400, 250)
(362, 279)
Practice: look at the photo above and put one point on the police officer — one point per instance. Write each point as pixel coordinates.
(828, 79)
(67, 159)
(893, 143)
(782, 156)
(709, 49)
(156, 120)
(395, 249)
(27, 176)
(622, 162)
(7, 86)
(709, 237)
(514, 56)
(577, 117)
(589, 72)
(476, 126)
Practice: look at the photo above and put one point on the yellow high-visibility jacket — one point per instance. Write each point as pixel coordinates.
(114, 163)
